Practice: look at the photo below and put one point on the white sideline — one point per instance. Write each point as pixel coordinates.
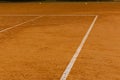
(71, 63)
(20, 24)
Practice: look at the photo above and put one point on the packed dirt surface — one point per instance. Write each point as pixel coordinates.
(59, 8)
(41, 49)
(100, 58)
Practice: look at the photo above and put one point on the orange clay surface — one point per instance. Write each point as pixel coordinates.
(100, 56)
(41, 49)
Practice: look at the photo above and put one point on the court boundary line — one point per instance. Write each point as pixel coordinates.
(77, 52)
(49, 15)
(30, 20)
(38, 16)
(72, 61)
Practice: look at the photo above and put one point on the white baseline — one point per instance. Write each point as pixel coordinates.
(71, 63)
(62, 15)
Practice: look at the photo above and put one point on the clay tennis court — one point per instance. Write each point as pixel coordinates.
(59, 41)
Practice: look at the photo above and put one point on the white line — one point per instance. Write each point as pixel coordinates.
(20, 24)
(69, 15)
(71, 63)
(48, 15)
